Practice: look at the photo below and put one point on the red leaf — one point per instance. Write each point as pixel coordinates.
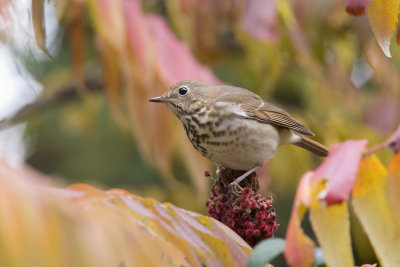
(340, 169)
(356, 7)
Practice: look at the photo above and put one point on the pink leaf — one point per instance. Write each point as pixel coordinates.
(340, 169)
(356, 7)
(260, 20)
(139, 41)
(175, 60)
(394, 141)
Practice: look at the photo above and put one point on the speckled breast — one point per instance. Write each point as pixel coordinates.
(228, 140)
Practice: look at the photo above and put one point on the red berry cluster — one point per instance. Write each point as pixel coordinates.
(249, 214)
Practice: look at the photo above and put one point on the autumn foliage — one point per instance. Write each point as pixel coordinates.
(43, 225)
(383, 17)
(340, 82)
(64, 227)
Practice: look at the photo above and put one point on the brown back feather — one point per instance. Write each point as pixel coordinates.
(258, 109)
(274, 115)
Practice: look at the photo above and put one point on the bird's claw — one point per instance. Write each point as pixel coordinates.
(235, 188)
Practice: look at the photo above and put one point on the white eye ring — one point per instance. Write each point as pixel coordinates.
(183, 90)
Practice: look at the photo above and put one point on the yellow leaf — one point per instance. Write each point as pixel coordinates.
(383, 15)
(107, 17)
(394, 184)
(111, 70)
(41, 225)
(332, 226)
(89, 190)
(229, 252)
(374, 210)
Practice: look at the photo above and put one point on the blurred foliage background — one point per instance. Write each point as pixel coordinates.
(309, 57)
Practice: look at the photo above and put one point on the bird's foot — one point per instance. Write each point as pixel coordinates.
(235, 188)
(215, 181)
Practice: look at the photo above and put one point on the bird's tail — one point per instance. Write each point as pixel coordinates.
(313, 146)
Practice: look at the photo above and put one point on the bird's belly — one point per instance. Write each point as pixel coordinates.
(240, 144)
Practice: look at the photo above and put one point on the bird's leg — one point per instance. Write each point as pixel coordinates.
(216, 181)
(235, 187)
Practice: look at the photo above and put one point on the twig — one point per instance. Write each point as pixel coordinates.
(62, 95)
(376, 148)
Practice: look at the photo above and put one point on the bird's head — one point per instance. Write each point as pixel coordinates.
(182, 96)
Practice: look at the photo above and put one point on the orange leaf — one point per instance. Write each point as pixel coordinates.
(394, 167)
(38, 25)
(76, 40)
(299, 249)
(111, 73)
(375, 212)
(398, 35)
(383, 17)
(394, 184)
(107, 17)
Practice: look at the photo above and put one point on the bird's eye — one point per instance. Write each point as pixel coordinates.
(183, 90)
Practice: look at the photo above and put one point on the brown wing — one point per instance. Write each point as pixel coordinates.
(274, 115)
(258, 109)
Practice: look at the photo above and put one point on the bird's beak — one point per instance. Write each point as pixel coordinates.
(159, 99)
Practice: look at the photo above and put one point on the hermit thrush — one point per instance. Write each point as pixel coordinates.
(234, 127)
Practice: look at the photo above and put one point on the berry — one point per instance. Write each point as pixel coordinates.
(250, 214)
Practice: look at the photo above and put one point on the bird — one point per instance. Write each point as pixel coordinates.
(234, 127)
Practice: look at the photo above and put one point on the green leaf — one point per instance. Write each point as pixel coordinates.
(265, 252)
